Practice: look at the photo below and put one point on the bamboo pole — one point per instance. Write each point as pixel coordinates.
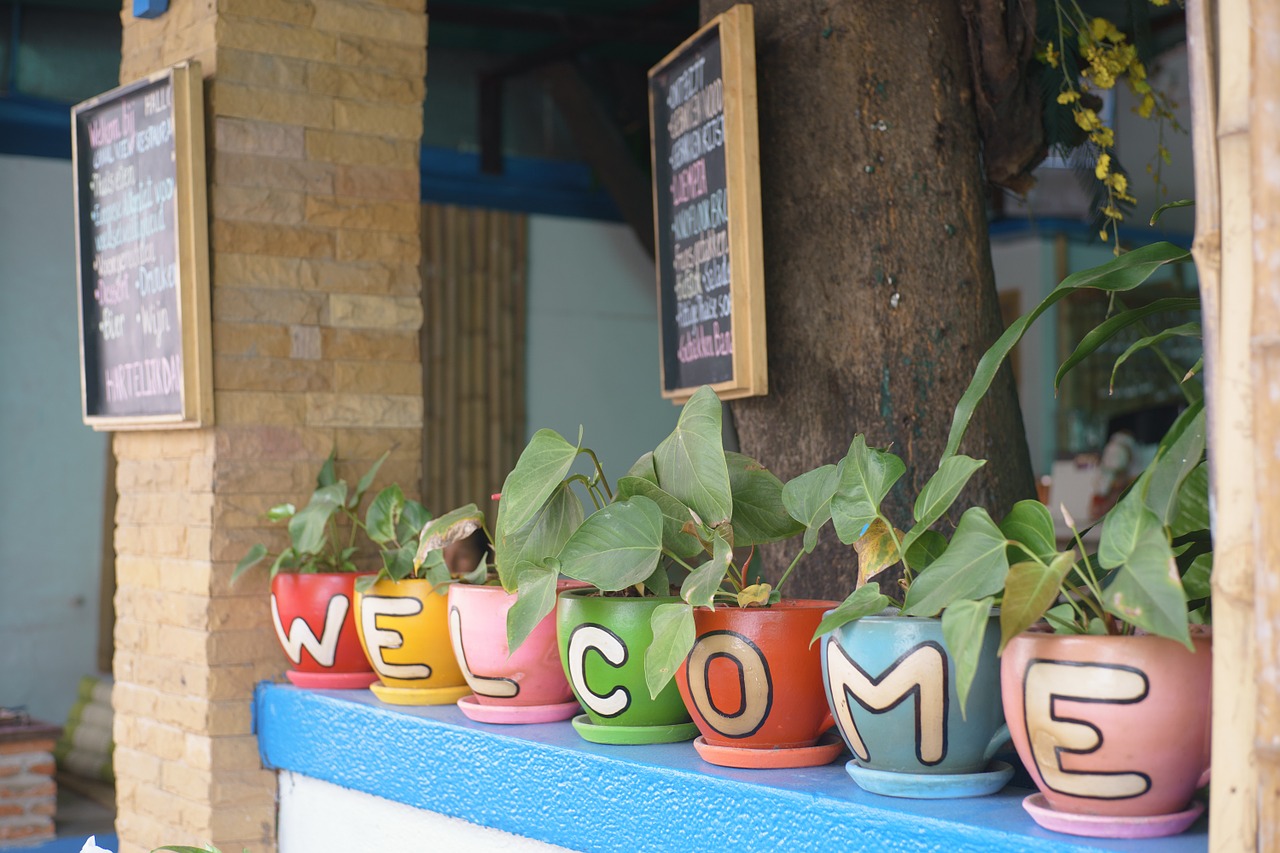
(1264, 249)
(1220, 140)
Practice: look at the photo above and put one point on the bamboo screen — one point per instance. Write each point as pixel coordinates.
(473, 353)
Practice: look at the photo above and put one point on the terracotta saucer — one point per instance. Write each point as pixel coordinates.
(822, 752)
(931, 786)
(516, 714)
(331, 680)
(419, 695)
(1110, 826)
(627, 735)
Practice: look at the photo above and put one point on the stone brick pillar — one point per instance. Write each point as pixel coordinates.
(314, 121)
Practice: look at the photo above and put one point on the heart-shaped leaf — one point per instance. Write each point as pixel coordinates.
(542, 466)
(536, 597)
(690, 462)
(808, 500)
(929, 546)
(1192, 512)
(757, 595)
(308, 526)
(675, 516)
(542, 537)
(759, 516)
(1146, 591)
(643, 468)
(1030, 523)
(940, 493)
(617, 546)
(964, 626)
(865, 601)
(866, 476)
(700, 587)
(673, 637)
(1030, 590)
(1195, 581)
(384, 514)
(658, 583)
(413, 517)
(1180, 452)
(973, 567)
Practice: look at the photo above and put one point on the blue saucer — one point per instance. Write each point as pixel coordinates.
(932, 786)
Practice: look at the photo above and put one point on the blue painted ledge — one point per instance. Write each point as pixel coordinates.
(545, 782)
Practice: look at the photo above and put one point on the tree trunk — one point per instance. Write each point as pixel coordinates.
(880, 296)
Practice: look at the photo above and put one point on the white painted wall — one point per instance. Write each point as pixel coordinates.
(316, 816)
(52, 467)
(593, 340)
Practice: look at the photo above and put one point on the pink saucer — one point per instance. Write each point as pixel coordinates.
(516, 714)
(1109, 826)
(331, 680)
(822, 752)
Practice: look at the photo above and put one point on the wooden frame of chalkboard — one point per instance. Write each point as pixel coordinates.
(142, 251)
(705, 152)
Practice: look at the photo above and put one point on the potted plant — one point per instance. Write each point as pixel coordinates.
(1117, 676)
(679, 513)
(403, 619)
(313, 583)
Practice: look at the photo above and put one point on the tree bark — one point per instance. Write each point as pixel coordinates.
(880, 296)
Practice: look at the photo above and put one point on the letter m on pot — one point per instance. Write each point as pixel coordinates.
(919, 676)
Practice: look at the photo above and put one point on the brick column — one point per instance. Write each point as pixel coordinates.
(314, 120)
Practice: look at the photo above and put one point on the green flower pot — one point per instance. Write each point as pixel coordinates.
(602, 644)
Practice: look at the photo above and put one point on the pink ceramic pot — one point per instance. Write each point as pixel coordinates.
(314, 617)
(1111, 726)
(529, 676)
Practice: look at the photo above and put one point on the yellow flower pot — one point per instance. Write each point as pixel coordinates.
(404, 631)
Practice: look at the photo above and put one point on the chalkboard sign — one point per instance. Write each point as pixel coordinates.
(706, 202)
(143, 254)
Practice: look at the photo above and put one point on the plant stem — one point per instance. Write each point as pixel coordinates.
(907, 574)
(586, 483)
(599, 471)
(791, 567)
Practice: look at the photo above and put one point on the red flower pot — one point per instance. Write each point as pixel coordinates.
(314, 617)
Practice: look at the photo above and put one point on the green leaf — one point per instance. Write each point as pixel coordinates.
(964, 626)
(1180, 452)
(1029, 591)
(453, 526)
(759, 516)
(1195, 581)
(701, 585)
(673, 637)
(658, 583)
(1062, 618)
(328, 475)
(288, 559)
(928, 547)
(1146, 591)
(1186, 330)
(757, 595)
(1030, 523)
(478, 575)
(973, 567)
(398, 562)
(384, 514)
(536, 597)
(643, 468)
(866, 476)
(367, 480)
(1112, 326)
(413, 517)
(308, 526)
(675, 516)
(940, 493)
(617, 546)
(280, 512)
(1124, 273)
(1192, 512)
(690, 462)
(437, 574)
(542, 466)
(542, 537)
(255, 555)
(864, 601)
(808, 500)
(1182, 202)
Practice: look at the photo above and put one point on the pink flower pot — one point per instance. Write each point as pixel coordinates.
(314, 618)
(1110, 726)
(524, 686)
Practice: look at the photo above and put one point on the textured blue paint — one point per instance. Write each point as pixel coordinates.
(545, 782)
(34, 127)
(527, 184)
(70, 844)
(1137, 235)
